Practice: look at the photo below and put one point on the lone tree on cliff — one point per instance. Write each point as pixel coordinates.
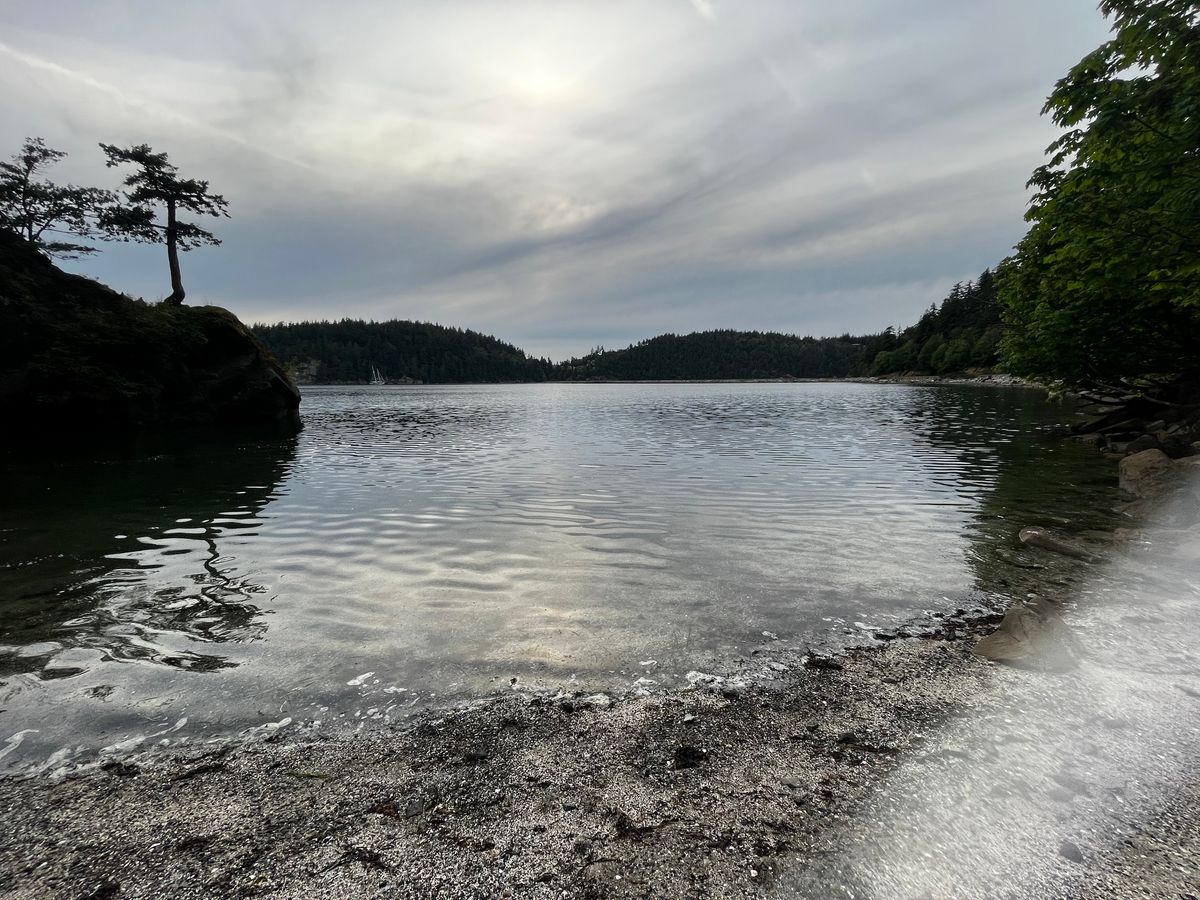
(39, 210)
(156, 183)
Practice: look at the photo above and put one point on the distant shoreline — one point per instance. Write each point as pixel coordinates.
(993, 380)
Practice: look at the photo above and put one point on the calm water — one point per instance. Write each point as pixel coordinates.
(421, 543)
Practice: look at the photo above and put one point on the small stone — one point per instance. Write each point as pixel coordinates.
(1072, 784)
(1070, 851)
(688, 757)
(826, 663)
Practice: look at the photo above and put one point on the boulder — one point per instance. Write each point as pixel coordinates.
(1032, 636)
(79, 358)
(1147, 474)
(1145, 442)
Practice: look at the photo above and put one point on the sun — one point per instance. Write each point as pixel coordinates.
(543, 84)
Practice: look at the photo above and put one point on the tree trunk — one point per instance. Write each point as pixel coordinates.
(177, 294)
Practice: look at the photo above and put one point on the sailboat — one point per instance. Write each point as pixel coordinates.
(376, 378)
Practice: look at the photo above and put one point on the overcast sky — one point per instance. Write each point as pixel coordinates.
(562, 173)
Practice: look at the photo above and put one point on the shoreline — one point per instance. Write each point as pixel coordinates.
(592, 795)
(770, 782)
(988, 380)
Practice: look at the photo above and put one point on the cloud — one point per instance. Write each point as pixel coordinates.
(562, 174)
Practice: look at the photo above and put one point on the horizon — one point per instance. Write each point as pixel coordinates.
(846, 335)
(563, 178)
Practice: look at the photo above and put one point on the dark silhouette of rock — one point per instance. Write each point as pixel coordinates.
(1145, 442)
(77, 357)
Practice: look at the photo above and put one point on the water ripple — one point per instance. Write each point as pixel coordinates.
(446, 539)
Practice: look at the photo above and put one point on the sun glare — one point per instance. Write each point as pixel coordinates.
(543, 84)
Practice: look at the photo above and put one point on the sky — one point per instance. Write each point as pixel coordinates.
(561, 173)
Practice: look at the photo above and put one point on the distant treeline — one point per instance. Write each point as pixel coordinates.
(719, 355)
(351, 351)
(963, 332)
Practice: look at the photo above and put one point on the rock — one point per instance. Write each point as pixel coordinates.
(1036, 536)
(1070, 851)
(78, 358)
(1147, 474)
(1072, 783)
(103, 890)
(418, 805)
(1167, 491)
(1033, 636)
(848, 737)
(121, 769)
(1176, 446)
(1145, 442)
(827, 663)
(688, 757)
(703, 679)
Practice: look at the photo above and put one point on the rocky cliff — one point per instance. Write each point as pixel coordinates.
(76, 356)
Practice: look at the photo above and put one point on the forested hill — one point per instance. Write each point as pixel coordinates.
(964, 332)
(720, 355)
(350, 351)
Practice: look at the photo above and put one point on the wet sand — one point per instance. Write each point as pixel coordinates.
(698, 793)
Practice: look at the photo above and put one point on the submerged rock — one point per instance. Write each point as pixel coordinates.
(1071, 851)
(1033, 636)
(1043, 539)
(77, 357)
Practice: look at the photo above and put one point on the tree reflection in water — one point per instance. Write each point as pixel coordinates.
(120, 557)
(1026, 474)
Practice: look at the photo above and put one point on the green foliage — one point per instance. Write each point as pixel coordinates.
(720, 355)
(155, 182)
(39, 211)
(1106, 284)
(962, 332)
(928, 358)
(348, 351)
